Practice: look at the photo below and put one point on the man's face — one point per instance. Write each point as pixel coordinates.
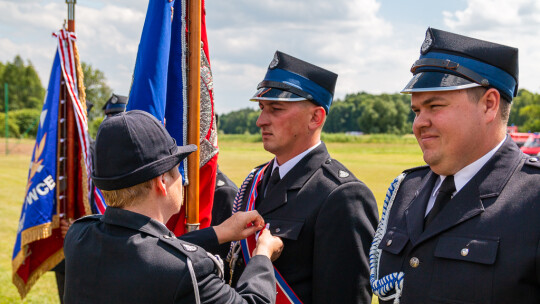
(447, 126)
(284, 127)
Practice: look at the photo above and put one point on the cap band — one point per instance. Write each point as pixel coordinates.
(497, 78)
(320, 95)
(452, 66)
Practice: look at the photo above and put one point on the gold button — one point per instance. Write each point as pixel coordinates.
(414, 262)
(464, 251)
(388, 243)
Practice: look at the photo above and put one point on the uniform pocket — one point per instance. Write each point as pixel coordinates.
(394, 241)
(285, 228)
(463, 269)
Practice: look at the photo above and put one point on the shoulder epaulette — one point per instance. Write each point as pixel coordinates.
(533, 161)
(338, 170)
(416, 169)
(92, 217)
(194, 252)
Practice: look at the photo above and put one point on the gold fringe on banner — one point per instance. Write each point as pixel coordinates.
(47, 265)
(36, 233)
(82, 98)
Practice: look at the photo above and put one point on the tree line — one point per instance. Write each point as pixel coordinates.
(382, 113)
(26, 96)
(358, 112)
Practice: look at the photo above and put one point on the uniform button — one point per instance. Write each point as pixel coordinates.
(166, 237)
(414, 262)
(464, 251)
(533, 160)
(278, 230)
(327, 161)
(388, 243)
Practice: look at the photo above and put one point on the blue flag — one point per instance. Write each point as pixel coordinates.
(160, 88)
(36, 249)
(158, 80)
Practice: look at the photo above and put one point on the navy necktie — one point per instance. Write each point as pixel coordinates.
(443, 197)
(274, 179)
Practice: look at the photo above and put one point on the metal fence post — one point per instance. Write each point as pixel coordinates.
(6, 108)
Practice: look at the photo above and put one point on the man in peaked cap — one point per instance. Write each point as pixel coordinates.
(324, 214)
(128, 255)
(464, 228)
(116, 104)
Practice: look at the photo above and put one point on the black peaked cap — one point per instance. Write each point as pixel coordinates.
(322, 77)
(498, 55)
(134, 147)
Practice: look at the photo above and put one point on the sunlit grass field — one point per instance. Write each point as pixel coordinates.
(376, 161)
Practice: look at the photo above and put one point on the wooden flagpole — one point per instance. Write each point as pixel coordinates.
(194, 104)
(67, 142)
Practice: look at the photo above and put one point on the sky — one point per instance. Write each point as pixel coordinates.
(370, 44)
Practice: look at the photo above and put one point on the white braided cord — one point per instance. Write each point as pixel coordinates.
(238, 203)
(394, 281)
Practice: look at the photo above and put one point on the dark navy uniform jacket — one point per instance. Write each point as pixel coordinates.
(326, 218)
(223, 204)
(223, 198)
(483, 247)
(126, 257)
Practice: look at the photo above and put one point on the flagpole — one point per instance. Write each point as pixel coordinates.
(70, 136)
(194, 94)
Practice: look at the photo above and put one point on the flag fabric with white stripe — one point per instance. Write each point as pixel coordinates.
(38, 245)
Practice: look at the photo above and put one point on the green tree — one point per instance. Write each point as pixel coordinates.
(384, 114)
(24, 87)
(341, 117)
(26, 120)
(96, 88)
(522, 113)
(239, 122)
(532, 114)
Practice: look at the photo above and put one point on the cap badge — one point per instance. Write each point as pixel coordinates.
(189, 248)
(220, 183)
(343, 174)
(426, 45)
(274, 62)
(114, 99)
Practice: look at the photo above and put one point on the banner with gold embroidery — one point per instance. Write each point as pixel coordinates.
(39, 243)
(38, 246)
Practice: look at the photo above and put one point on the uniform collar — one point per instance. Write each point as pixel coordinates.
(135, 221)
(288, 165)
(463, 176)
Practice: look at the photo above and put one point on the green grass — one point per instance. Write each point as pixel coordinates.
(13, 175)
(376, 160)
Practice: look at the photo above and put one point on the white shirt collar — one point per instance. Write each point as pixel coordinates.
(288, 165)
(463, 176)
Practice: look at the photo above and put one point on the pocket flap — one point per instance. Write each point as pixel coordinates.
(481, 250)
(287, 229)
(394, 241)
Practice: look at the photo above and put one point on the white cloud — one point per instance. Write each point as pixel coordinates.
(518, 26)
(350, 37)
(108, 36)
(346, 37)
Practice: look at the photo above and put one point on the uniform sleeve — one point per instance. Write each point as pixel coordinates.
(256, 285)
(343, 234)
(205, 238)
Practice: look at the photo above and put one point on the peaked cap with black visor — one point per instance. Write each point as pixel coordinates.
(291, 79)
(450, 62)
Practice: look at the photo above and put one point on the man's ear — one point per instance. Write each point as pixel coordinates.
(491, 103)
(318, 115)
(159, 184)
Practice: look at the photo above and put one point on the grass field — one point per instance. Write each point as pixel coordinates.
(375, 162)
